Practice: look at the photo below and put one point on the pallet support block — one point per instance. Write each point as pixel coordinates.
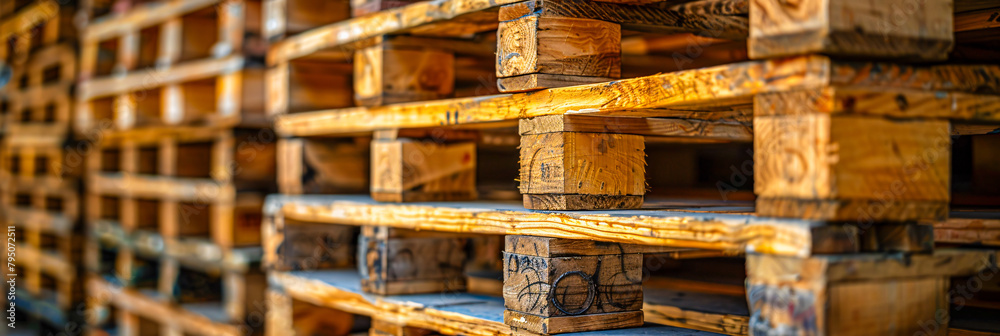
(294, 246)
(383, 327)
(429, 166)
(579, 170)
(554, 285)
(860, 294)
(814, 161)
(895, 29)
(536, 52)
(386, 73)
(394, 261)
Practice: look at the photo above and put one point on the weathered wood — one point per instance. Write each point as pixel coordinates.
(826, 292)
(401, 262)
(582, 170)
(895, 29)
(560, 286)
(409, 170)
(894, 171)
(308, 246)
(665, 127)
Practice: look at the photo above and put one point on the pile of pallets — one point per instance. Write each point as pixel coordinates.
(872, 131)
(39, 166)
(181, 160)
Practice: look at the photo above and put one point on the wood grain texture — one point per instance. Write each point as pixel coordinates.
(665, 127)
(409, 170)
(582, 163)
(726, 85)
(823, 157)
(712, 231)
(555, 45)
(386, 74)
(881, 29)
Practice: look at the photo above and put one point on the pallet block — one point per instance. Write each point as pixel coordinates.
(391, 72)
(409, 262)
(887, 29)
(423, 165)
(563, 170)
(291, 245)
(833, 160)
(554, 286)
(381, 327)
(866, 294)
(290, 17)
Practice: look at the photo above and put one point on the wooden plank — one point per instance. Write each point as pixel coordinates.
(128, 300)
(661, 127)
(657, 95)
(671, 228)
(141, 17)
(921, 31)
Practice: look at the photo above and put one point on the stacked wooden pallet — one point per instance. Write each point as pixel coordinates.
(39, 168)
(851, 165)
(171, 99)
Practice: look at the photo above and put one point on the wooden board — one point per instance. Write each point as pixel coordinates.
(672, 228)
(670, 94)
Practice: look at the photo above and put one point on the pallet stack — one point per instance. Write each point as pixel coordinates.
(871, 127)
(39, 179)
(171, 94)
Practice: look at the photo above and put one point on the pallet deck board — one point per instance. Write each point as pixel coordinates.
(465, 313)
(966, 92)
(673, 228)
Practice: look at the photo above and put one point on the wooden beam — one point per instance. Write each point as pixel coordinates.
(411, 170)
(387, 73)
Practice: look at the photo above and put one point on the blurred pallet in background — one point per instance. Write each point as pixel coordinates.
(173, 92)
(40, 169)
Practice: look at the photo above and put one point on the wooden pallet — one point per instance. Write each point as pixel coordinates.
(674, 231)
(155, 65)
(200, 183)
(138, 273)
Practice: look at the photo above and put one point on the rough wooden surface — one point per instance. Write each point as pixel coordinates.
(397, 264)
(409, 170)
(658, 95)
(692, 228)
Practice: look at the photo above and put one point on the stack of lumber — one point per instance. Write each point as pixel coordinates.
(858, 201)
(171, 98)
(40, 166)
